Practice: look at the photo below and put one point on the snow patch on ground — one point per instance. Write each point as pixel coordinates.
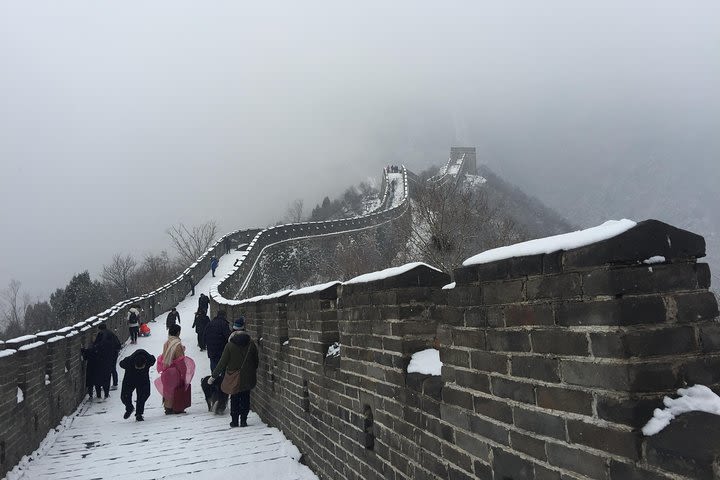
(475, 180)
(566, 241)
(697, 398)
(426, 362)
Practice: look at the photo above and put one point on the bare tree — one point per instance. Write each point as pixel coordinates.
(445, 227)
(13, 308)
(294, 213)
(192, 242)
(156, 270)
(119, 276)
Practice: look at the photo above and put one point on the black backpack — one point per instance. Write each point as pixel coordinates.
(132, 318)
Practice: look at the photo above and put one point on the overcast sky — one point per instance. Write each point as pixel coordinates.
(120, 119)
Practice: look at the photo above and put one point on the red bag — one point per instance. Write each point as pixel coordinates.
(181, 399)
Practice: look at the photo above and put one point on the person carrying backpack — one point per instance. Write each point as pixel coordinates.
(133, 318)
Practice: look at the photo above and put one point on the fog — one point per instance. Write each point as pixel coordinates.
(119, 120)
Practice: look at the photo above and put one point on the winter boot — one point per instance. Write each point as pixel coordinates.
(234, 424)
(128, 413)
(139, 418)
(243, 421)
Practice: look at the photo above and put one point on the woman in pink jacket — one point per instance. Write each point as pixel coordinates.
(176, 372)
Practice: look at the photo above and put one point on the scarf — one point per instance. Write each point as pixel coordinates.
(169, 351)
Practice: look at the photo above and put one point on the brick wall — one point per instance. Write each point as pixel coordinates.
(551, 365)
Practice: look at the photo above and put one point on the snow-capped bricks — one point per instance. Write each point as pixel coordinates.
(550, 365)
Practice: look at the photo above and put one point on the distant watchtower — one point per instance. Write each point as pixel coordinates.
(470, 163)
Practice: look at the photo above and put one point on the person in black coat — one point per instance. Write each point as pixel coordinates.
(117, 346)
(106, 349)
(217, 333)
(92, 377)
(200, 323)
(137, 378)
(203, 303)
(172, 318)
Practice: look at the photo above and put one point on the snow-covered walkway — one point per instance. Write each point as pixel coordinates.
(96, 442)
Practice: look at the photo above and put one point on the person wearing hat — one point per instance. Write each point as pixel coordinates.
(239, 363)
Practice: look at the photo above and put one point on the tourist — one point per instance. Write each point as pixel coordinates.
(200, 323)
(217, 333)
(203, 303)
(133, 319)
(137, 378)
(213, 264)
(176, 371)
(190, 281)
(238, 364)
(172, 318)
(116, 347)
(106, 346)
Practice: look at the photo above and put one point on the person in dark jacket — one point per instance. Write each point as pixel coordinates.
(200, 323)
(217, 333)
(117, 346)
(203, 303)
(191, 283)
(106, 348)
(137, 378)
(213, 264)
(172, 318)
(99, 357)
(240, 355)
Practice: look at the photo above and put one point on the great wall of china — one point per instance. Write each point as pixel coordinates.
(552, 362)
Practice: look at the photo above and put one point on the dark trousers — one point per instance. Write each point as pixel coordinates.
(240, 405)
(134, 333)
(143, 393)
(114, 373)
(213, 363)
(201, 340)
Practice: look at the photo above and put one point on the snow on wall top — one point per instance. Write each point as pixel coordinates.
(566, 241)
(387, 273)
(6, 353)
(697, 398)
(314, 288)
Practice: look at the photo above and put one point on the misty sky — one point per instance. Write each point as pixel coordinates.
(120, 119)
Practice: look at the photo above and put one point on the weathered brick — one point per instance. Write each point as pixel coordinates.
(617, 312)
(474, 380)
(593, 374)
(453, 396)
(634, 412)
(528, 445)
(540, 368)
(525, 314)
(576, 460)
(502, 292)
(507, 465)
(488, 429)
(644, 279)
(559, 341)
(695, 307)
(539, 422)
(519, 391)
(564, 399)
(619, 442)
(489, 362)
(473, 445)
(499, 410)
(508, 341)
(561, 286)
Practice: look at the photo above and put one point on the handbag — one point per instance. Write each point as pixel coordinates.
(231, 382)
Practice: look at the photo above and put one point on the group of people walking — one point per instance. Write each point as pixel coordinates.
(233, 363)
